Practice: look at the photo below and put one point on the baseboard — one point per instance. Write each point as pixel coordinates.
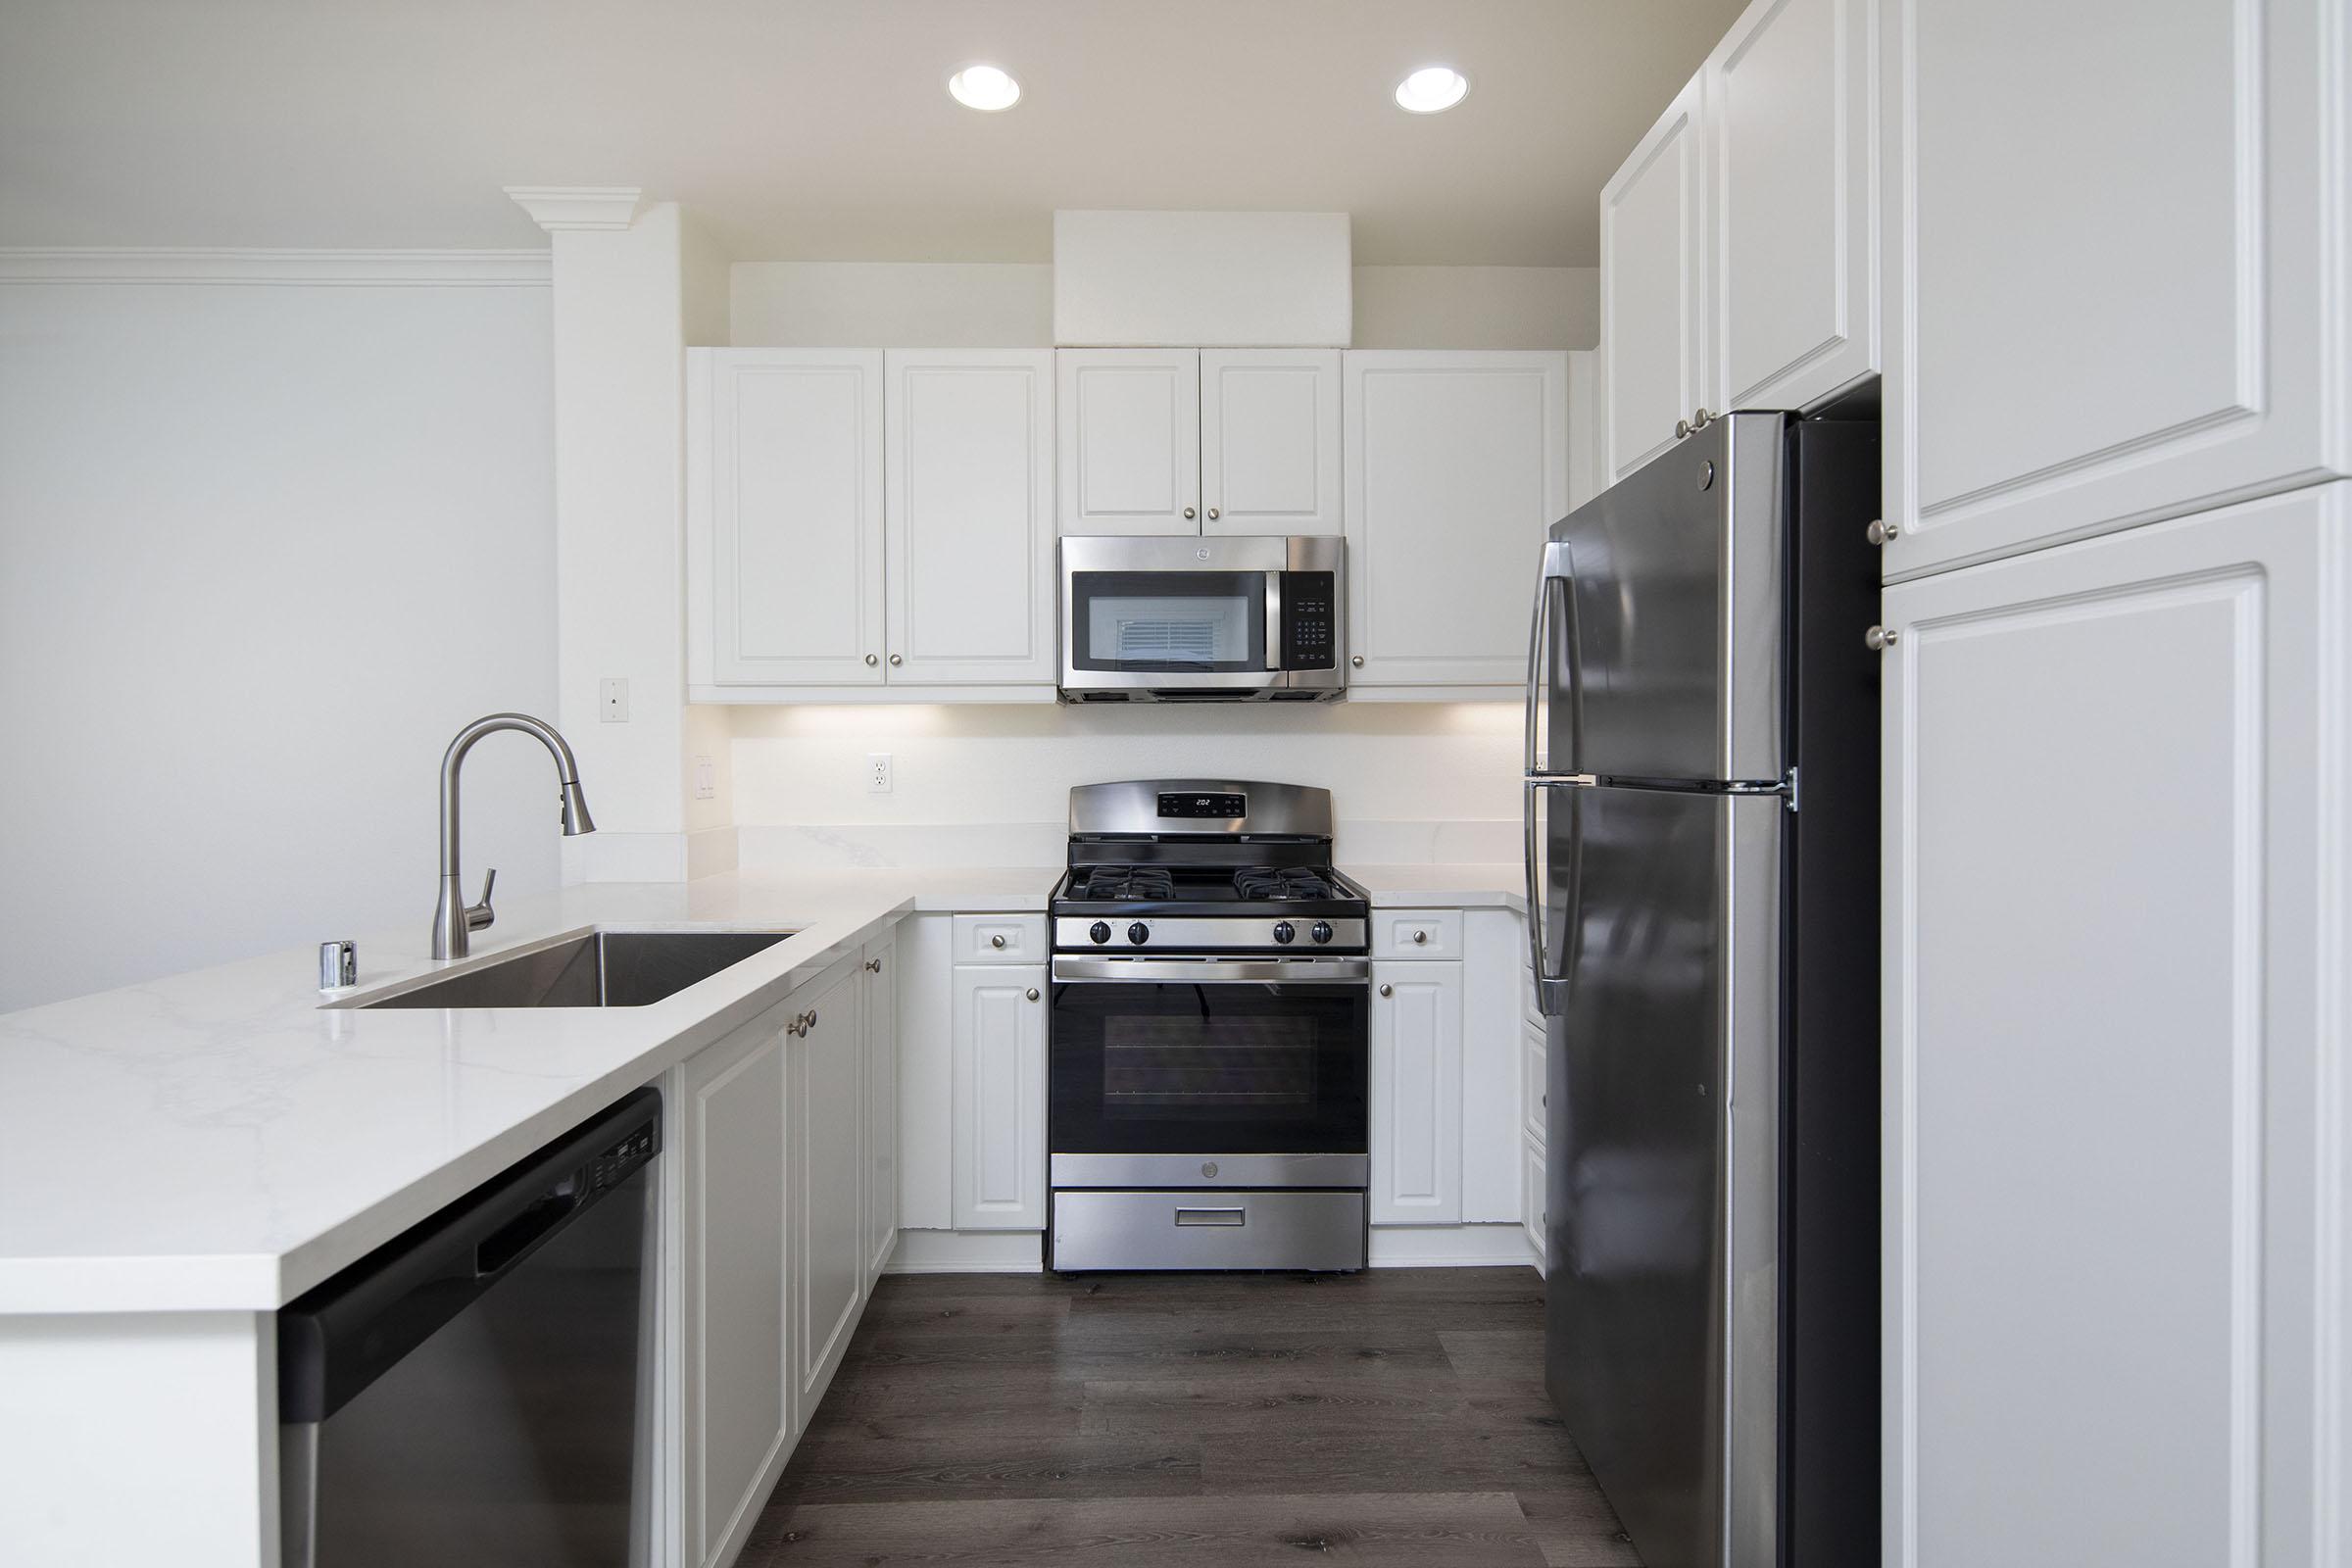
(1451, 1247)
(1501, 1245)
(968, 1253)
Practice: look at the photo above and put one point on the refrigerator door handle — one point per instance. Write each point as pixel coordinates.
(1538, 648)
(1552, 990)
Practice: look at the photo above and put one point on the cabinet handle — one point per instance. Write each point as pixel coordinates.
(1033, 993)
(1386, 989)
(1213, 514)
(896, 661)
(1357, 660)
(1879, 638)
(873, 966)
(1420, 937)
(1188, 513)
(1879, 531)
(995, 941)
(871, 661)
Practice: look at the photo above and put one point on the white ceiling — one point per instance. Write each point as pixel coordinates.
(820, 129)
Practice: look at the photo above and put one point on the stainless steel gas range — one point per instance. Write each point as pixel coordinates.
(1209, 1044)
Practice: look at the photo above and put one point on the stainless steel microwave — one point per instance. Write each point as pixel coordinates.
(1192, 617)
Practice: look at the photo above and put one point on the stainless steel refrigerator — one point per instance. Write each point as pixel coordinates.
(1701, 816)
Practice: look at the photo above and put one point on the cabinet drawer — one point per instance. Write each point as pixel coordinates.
(1208, 1229)
(1416, 933)
(999, 938)
(1534, 1054)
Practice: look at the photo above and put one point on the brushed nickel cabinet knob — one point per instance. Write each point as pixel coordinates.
(1879, 638)
(1033, 993)
(1357, 660)
(871, 661)
(896, 661)
(1188, 513)
(1879, 531)
(1386, 989)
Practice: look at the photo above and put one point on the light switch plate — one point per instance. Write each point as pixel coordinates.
(706, 778)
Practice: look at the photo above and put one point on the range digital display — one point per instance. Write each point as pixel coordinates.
(1214, 805)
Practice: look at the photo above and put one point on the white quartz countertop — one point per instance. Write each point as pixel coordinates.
(216, 1141)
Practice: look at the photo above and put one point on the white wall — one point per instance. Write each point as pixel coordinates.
(1011, 304)
(1396, 770)
(263, 550)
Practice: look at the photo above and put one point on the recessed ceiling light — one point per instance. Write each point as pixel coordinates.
(987, 88)
(1432, 89)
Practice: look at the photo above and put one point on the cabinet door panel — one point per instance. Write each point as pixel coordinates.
(2122, 295)
(1416, 1094)
(1456, 465)
(970, 517)
(2114, 794)
(737, 1398)
(1790, 226)
(880, 1063)
(826, 1118)
(1270, 441)
(1128, 424)
(794, 494)
(1000, 1097)
(1651, 289)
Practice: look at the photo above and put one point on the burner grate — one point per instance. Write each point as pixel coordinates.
(1281, 882)
(1125, 882)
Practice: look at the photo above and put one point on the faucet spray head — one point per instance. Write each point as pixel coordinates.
(576, 819)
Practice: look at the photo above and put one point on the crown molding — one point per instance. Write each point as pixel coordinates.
(557, 207)
(332, 269)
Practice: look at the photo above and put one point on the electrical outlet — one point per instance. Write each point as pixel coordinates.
(877, 772)
(613, 701)
(706, 779)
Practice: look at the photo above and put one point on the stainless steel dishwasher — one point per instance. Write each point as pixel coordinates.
(477, 1391)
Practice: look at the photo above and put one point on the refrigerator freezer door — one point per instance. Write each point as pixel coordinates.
(1663, 652)
(1662, 1304)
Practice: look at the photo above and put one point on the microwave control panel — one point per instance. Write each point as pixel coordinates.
(1309, 619)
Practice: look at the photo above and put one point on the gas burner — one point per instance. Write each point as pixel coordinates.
(1281, 882)
(1124, 884)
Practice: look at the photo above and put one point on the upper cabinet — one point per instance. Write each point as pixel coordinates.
(1241, 441)
(968, 557)
(1793, 311)
(785, 507)
(1739, 240)
(1458, 467)
(2122, 304)
(858, 522)
(1652, 289)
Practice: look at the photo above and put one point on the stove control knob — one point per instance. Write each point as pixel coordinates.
(1100, 931)
(1138, 933)
(1283, 931)
(1322, 931)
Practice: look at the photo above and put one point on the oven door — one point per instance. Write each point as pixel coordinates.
(1190, 1072)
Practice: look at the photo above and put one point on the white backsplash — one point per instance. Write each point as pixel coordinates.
(982, 785)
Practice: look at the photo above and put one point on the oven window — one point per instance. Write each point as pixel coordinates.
(1159, 1068)
(1157, 622)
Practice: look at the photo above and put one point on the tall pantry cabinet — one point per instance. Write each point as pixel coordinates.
(2117, 782)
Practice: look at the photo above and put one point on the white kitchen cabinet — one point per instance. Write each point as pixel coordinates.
(824, 1097)
(1792, 205)
(1654, 288)
(1270, 441)
(785, 501)
(879, 1069)
(968, 545)
(999, 1097)
(1533, 1203)
(2116, 278)
(1128, 444)
(2117, 785)
(1416, 1092)
(736, 1394)
(1456, 469)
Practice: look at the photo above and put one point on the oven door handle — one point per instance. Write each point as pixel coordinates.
(1214, 971)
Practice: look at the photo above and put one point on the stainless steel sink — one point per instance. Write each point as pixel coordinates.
(601, 969)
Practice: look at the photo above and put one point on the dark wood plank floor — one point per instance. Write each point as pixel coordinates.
(1192, 1421)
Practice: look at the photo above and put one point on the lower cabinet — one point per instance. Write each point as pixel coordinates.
(726, 1132)
(824, 1097)
(780, 1204)
(1532, 1200)
(999, 1097)
(1416, 1092)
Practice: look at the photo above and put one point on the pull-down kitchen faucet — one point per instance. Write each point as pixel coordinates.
(454, 919)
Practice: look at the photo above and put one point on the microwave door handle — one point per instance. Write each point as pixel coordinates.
(1273, 623)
